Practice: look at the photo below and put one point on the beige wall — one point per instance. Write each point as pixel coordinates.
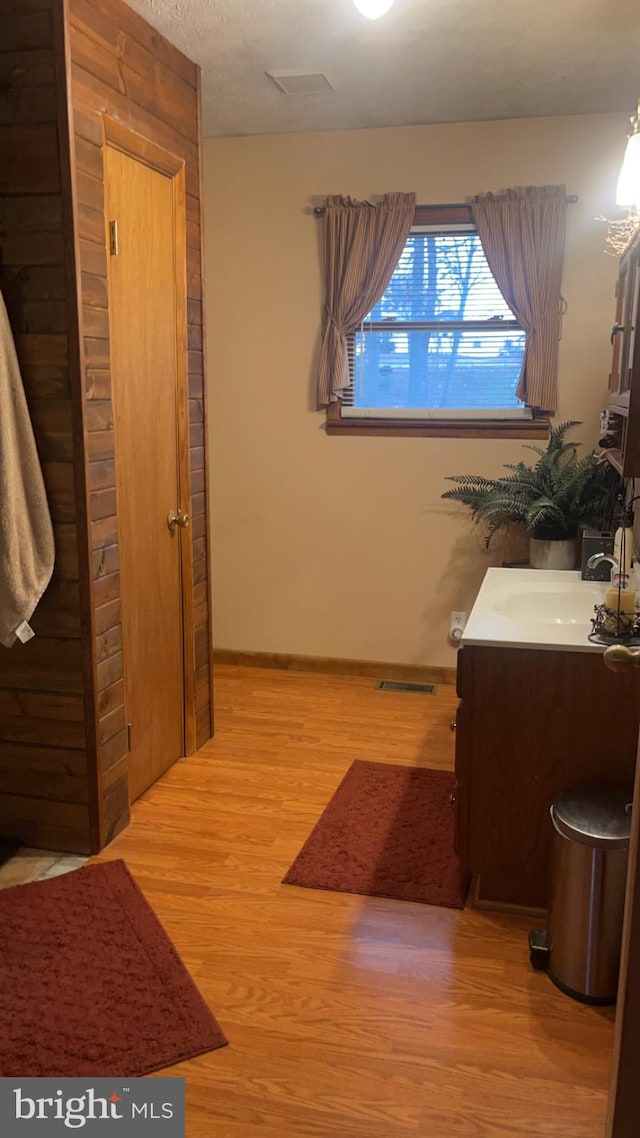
(341, 546)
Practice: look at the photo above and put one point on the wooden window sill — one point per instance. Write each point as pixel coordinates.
(438, 428)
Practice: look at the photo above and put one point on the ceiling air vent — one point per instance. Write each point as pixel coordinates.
(300, 82)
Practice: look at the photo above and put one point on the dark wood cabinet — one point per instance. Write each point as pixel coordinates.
(531, 723)
(624, 379)
(461, 796)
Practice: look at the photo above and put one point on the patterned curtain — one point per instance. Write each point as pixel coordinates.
(362, 246)
(522, 233)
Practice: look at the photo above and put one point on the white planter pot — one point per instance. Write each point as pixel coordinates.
(552, 554)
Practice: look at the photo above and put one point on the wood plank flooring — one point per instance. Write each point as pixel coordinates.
(347, 1016)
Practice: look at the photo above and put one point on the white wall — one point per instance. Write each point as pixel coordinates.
(342, 546)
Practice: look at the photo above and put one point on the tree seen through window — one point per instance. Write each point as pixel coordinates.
(442, 336)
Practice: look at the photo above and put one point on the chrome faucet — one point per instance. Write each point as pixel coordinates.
(598, 558)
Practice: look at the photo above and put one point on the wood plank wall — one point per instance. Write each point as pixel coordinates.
(63, 64)
(45, 778)
(121, 67)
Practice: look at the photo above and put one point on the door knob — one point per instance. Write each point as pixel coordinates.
(619, 658)
(177, 518)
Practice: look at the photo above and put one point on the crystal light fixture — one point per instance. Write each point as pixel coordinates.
(373, 9)
(628, 192)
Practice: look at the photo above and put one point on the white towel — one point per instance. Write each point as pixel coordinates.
(26, 535)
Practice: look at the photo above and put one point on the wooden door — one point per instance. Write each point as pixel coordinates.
(144, 331)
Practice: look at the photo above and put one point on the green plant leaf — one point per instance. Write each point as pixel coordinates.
(559, 489)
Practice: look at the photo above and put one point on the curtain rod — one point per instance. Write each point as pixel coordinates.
(319, 210)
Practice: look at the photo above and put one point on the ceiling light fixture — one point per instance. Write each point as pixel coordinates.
(373, 9)
(628, 192)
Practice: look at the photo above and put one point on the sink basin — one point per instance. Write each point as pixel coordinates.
(535, 608)
(548, 602)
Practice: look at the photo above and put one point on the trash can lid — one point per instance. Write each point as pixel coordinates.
(594, 815)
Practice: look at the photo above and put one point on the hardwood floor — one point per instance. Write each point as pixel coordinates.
(347, 1016)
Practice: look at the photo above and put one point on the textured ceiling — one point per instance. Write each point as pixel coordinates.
(426, 61)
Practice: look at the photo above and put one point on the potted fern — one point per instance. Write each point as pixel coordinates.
(551, 498)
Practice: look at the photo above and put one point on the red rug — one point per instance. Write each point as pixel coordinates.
(387, 832)
(91, 984)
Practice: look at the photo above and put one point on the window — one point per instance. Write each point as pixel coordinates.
(442, 346)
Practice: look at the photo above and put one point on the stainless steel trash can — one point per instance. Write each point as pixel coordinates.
(590, 851)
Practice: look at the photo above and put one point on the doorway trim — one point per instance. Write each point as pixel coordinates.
(120, 137)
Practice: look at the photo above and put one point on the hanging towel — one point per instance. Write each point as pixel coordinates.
(26, 535)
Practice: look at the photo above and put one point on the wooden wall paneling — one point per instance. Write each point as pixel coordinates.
(27, 85)
(134, 37)
(63, 65)
(93, 259)
(111, 698)
(58, 773)
(105, 589)
(198, 414)
(36, 104)
(95, 291)
(97, 382)
(46, 664)
(44, 785)
(26, 28)
(59, 611)
(128, 65)
(58, 480)
(109, 643)
(70, 211)
(52, 422)
(93, 93)
(106, 561)
(101, 473)
(107, 615)
(124, 74)
(46, 824)
(102, 502)
(32, 237)
(66, 566)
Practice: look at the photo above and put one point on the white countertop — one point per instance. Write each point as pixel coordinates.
(534, 608)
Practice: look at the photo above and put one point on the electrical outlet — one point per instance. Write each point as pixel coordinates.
(456, 628)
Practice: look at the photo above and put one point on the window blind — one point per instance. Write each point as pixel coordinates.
(442, 337)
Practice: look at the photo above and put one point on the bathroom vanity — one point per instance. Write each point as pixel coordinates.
(538, 711)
